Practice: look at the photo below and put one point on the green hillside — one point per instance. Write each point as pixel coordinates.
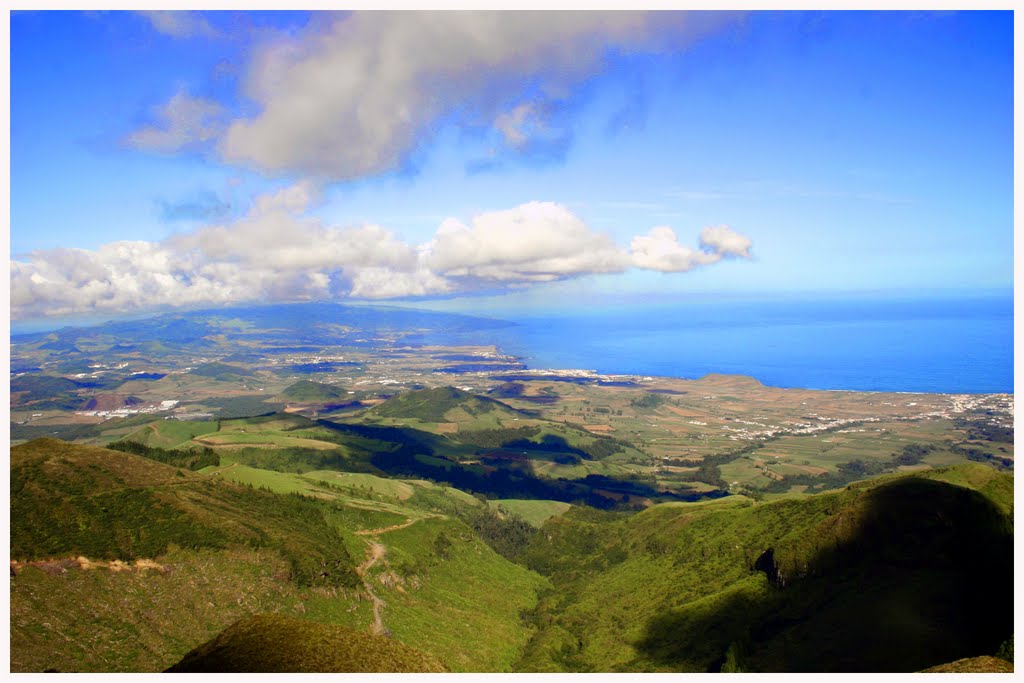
(222, 372)
(139, 618)
(307, 391)
(535, 512)
(46, 392)
(69, 500)
(445, 404)
(272, 643)
(803, 584)
(150, 592)
(792, 585)
(169, 433)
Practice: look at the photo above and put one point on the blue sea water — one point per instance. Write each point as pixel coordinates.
(962, 345)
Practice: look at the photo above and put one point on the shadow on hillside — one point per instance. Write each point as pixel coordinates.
(910, 574)
(408, 452)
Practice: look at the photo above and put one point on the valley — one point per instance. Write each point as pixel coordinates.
(187, 487)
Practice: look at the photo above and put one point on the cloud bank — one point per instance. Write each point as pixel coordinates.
(356, 94)
(278, 252)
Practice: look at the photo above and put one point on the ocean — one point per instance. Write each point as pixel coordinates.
(962, 345)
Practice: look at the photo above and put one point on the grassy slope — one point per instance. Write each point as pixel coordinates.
(104, 621)
(170, 433)
(368, 483)
(536, 512)
(478, 628)
(675, 587)
(445, 404)
(440, 596)
(69, 499)
(455, 597)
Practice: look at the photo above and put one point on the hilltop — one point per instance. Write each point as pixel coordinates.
(308, 391)
(445, 404)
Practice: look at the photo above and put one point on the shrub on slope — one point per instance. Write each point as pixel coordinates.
(69, 499)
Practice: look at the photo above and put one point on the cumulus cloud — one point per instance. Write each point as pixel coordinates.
(184, 121)
(723, 240)
(535, 242)
(356, 95)
(660, 249)
(278, 251)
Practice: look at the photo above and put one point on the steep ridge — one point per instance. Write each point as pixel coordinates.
(896, 574)
(69, 500)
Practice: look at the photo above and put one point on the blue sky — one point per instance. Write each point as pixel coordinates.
(476, 160)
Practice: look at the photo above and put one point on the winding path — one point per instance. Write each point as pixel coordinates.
(394, 527)
(377, 552)
(216, 472)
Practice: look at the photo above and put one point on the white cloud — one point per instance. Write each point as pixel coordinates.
(355, 96)
(539, 241)
(723, 240)
(182, 122)
(384, 283)
(279, 252)
(660, 250)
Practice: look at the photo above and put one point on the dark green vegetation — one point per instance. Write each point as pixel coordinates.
(42, 392)
(507, 533)
(795, 585)
(439, 404)
(648, 401)
(313, 392)
(222, 372)
(269, 643)
(722, 585)
(193, 459)
(69, 500)
(175, 557)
